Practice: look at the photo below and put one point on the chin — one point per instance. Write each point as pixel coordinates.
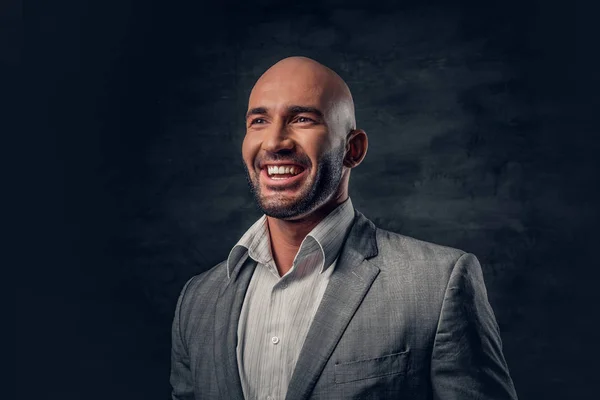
(280, 209)
(290, 208)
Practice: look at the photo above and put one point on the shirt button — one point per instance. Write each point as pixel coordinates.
(274, 340)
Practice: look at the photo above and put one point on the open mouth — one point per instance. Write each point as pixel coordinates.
(282, 175)
(279, 172)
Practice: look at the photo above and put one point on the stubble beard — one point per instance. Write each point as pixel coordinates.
(314, 194)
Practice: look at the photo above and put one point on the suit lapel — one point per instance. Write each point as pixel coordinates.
(228, 309)
(349, 283)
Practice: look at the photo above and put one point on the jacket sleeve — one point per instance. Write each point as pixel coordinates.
(467, 360)
(181, 376)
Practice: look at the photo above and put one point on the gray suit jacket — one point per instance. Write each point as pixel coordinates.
(400, 319)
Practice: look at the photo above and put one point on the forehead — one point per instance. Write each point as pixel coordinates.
(278, 92)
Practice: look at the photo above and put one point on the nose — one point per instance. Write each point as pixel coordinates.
(277, 139)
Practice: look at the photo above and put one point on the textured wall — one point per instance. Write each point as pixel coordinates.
(482, 137)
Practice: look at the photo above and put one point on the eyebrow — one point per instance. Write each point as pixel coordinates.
(290, 109)
(302, 109)
(256, 111)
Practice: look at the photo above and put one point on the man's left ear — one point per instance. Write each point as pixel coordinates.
(356, 147)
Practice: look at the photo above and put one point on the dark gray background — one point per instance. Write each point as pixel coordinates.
(483, 136)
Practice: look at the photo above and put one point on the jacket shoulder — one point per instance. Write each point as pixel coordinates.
(206, 280)
(416, 266)
(414, 249)
(197, 298)
(426, 263)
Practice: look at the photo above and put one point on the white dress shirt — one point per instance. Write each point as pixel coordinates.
(278, 310)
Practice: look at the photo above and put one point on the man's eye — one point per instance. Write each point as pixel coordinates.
(257, 121)
(304, 119)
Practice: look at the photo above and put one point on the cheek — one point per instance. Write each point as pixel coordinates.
(316, 148)
(248, 150)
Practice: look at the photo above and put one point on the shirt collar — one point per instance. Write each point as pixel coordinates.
(327, 238)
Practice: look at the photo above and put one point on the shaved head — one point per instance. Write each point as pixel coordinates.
(307, 75)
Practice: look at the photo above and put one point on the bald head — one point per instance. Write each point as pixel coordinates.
(304, 81)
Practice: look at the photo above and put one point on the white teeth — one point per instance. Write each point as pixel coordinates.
(275, 170)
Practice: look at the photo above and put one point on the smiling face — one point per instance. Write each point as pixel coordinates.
(299, 115)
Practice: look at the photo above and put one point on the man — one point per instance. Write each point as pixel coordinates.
(314, 301)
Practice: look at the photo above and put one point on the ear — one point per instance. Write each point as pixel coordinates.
(356, 148)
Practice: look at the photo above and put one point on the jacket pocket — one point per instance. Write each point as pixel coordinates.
(371, 368)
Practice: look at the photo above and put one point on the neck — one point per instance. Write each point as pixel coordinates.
(287, 235)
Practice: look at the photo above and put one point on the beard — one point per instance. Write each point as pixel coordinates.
(314, 193)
